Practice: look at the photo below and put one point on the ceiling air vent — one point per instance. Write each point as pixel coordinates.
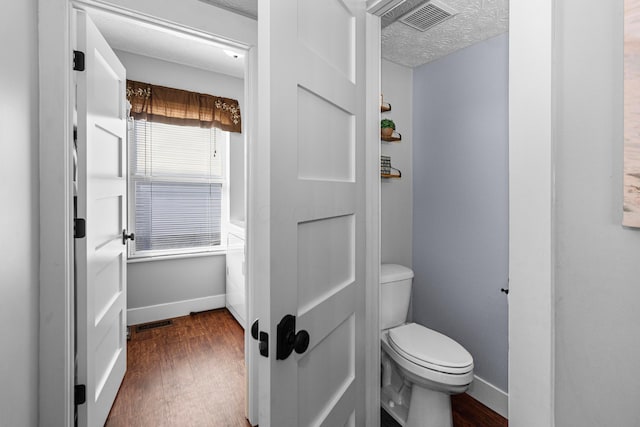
(395, 9)
(428, 16)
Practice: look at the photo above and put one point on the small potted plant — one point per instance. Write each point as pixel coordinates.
(387, 127)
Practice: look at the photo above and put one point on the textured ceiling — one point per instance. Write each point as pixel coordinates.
(477, 20)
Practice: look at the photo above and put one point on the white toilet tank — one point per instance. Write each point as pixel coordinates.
(395, 293)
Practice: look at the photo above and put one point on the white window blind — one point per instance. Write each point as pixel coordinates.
(176, 186)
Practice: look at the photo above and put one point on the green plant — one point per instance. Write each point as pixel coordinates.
(387, 123)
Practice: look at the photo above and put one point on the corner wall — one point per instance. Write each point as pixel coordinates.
(598, 261)
(396, 198)
(19, 215)
(460, 203)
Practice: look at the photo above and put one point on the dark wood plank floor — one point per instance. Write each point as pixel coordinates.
(192, 374)
(189, 374)
(467, 412)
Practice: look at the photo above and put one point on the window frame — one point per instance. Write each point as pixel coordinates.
(222, 149)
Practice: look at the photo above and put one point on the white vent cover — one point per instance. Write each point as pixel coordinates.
(428, 16)
(399, 9)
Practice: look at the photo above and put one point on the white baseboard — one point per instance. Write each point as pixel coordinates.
(490, 396)
(153, 313)
(237, 316)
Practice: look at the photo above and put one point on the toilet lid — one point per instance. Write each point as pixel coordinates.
(429, 348)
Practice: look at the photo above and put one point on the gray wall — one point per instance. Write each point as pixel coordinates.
(597, 281)
(172, 280)
(19, 192)
(166, 281)
(396, 198)
(460, 189)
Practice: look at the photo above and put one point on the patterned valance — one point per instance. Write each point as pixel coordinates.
(181, 107)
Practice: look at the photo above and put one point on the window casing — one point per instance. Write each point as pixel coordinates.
(177, 188)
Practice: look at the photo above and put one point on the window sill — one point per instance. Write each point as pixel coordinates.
(216, 252)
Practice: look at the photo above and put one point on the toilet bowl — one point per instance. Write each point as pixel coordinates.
(421, 368)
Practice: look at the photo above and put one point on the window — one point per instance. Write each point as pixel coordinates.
(176, 187)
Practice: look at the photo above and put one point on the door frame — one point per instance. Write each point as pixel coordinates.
(55, 38)
(55, 392)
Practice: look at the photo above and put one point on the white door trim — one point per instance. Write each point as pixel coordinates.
(372, 208)
(56, 352)
(55, 385)
(531, 213)
(252, 253)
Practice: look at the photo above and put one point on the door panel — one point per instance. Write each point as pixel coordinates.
(324, 152)
(106, 154)
(322, 272)
(317, 194)
(325, 377)
(101, 256)
(334, 43)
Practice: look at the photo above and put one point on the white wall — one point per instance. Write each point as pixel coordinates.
(396, 198)
(236, 181)
(598, 261)
(168, 281)
(574, 269)
(19, 192)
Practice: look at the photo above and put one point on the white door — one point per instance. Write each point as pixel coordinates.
(102, 196)
(311, 116)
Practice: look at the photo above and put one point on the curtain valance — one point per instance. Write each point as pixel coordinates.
(181, 107)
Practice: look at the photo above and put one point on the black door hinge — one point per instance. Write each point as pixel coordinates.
(80, 394)
(79, 228)
(78, 60)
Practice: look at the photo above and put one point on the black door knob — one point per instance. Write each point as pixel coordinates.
(301, 342)
(287, 340)
(126, 236)
(255, 327)
(263, 347)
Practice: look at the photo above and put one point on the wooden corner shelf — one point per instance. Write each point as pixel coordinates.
(386, 170)
(391, 138)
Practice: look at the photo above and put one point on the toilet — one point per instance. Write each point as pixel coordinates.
(421, 368)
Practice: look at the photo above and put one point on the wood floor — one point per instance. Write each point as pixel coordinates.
(467, 412)
(188, 374)
(192, 374)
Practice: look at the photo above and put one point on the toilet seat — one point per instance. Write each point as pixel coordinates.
(430, 349)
